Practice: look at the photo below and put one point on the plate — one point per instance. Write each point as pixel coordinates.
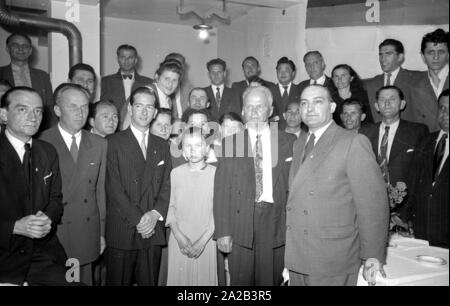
(431, 259)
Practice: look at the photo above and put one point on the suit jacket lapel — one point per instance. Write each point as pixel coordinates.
(118, 83)
(398, 142)
(323, 146)
(150, 162)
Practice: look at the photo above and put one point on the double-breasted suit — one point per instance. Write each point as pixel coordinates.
(83, 188)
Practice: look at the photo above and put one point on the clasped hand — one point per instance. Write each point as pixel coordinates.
(146, 226)
(191, 250)
(33, 226)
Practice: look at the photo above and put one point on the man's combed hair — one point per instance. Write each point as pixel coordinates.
(126, 47)
(250, 58)
(438, 36)
(21, 34)
(216, 61)
(285, 60)
(82, 67)
(398, 46)
(59, 91)
(6, 100)
(352, 101)
(93, 107)
(314, 52)
(144, 90)
(400, 92)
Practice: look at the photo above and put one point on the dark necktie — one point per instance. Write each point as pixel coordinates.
(74, 149)
(127, 76)
(382, 156)
(309, 146)
(218, 97)
(285, 92)
(27, 163)
(388, 81)
(314, 82)
(258, 160)
(438, 156)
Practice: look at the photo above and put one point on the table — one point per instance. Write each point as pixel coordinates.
(403, 269)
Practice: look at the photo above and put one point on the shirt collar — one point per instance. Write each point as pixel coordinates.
(392, 126)
(264, 131)
(67, 136)
(15, 142)
(393, 74)
(319, 132)
(282, 87)
(320, 80)
(20, 68)
(441, 133)
(217, 86)
(137, 133)
(442, 74)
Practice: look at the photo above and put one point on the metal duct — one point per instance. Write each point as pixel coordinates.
(50, 24)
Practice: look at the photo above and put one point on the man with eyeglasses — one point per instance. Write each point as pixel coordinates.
(19, 73)
(82, 160)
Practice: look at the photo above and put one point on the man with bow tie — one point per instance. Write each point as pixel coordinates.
(117, 87)
(30, 196)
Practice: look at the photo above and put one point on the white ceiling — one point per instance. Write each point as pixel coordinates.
(166, 10)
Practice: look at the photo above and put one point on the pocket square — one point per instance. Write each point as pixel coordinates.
(288, 159)
(47, 177)
(410, 150)
(161, 163)
(92, 164)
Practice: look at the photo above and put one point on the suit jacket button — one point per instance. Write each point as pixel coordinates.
(288, 208)
(22, 251)
(88, 219)
(85, 201)
(238, 211)
(311, 193)
(288, 227)
(305, 212)
(90, 181)
(305, 232)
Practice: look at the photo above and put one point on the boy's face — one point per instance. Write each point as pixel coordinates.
(194, 148)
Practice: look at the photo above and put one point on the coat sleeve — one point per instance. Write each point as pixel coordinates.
(370, 198)
(163, 196)
(116, 192)
(54, 208)
(221, 203)
(100, 189)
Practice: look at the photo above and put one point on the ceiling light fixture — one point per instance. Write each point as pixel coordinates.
(203, 30)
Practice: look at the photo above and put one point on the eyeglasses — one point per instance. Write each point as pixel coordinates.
(25, 47)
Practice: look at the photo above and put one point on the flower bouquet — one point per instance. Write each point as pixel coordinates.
(396, 195)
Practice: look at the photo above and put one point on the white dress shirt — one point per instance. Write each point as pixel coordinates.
(267, 194)
(67, 137)
(127, 85)
(281, 87)
(214, 90)
(318, 133)
(392, 130)
(441, 133)
(138, 135)
(443, 74)
(393, 76)
(18, 144)
(319, 81)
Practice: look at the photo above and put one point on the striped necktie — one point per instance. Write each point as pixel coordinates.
(258, 160)
(382, 156)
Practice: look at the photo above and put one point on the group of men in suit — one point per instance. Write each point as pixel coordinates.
(310, 208)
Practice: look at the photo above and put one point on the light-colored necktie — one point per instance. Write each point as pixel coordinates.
(258, 159)
(143, 146)
(382, 156)
(74, 149)
(388, 81)
(218, 97)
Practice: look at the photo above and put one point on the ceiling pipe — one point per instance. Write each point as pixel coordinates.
(49, 24)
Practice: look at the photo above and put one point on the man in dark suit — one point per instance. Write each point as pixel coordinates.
(353, 115)
(138, 191)
(250, 195)
(394, 140)
(429, 188)
(30, 196)
(285, 91)
(251, 68)
(19, 73)
(434, 49)
(82, 158)
(4, 87)
(222, 99)
(117, 87)
(84, 75)
(293, 119)
(391, 57)
(337, 209)
(315, 67)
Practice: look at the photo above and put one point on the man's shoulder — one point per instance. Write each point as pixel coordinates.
(94, 139)
(48, 135)
(109, 77)
(44, 146)
(415, 128)
(239, 84)
(39, 72)
(143, 79)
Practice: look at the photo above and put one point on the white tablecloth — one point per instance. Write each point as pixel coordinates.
(403, 269)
